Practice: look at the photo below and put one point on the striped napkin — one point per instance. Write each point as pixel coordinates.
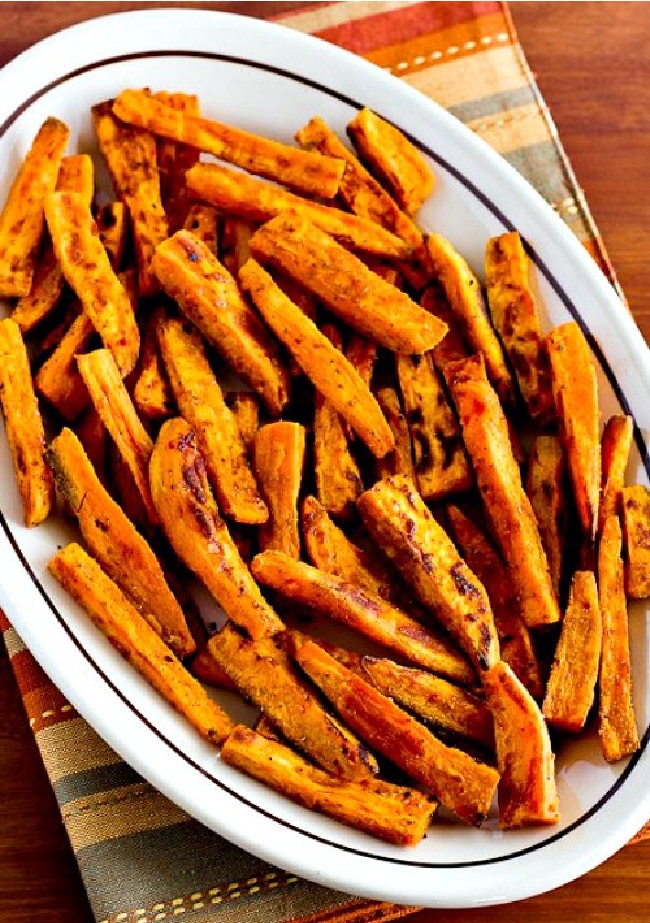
(142, 858)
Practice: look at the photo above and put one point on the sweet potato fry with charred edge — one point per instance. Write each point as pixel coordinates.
(152, 393)
(527, 792)
(572, 683)
(201, 402)
(125, 628)
(323, 364)
(392, 158)
(616, 722)
(402, 525)
(245, 407)
(575, 393)
(24, 426)
(120, 549)
(545, 489)
(514, 315)
(302, 170)
(88, 271)
(264, 674)
(615, 451)
(359, 190)
(463, 292)
(361, 298)
(635, 506)
(21, 219)
(58, 379)
(487, 440)
(390, 812)
(515, 643)
(209, 296)
(278, 460)
(113, 404)
(188, 513)
(400, 459)
(361, 610)
(112, 226)
(463, 785)
(257, 201)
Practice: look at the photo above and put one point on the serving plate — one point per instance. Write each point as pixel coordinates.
(271, 80)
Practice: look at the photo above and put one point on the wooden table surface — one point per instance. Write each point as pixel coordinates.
(592, 63)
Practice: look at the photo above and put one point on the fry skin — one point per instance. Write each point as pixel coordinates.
(615, 444)
(635, 504)
(24, 426)
(393, 813)
(134, 638)
(189, 515)
(278, 461)
(545, 490)
(210, 298)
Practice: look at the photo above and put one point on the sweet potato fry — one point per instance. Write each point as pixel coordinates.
(400, 460)
(527, 792)
(21, 219)
(278, 460)
(615, 451)
(545, 489)
(302, 170)
(201, 402)
(359, 190)
(635, 507)
(368, 614)
(150, 227)
(452, 347)
(245, 407)
(174, 160)
(93, 436)
(440, 461)
(209, 296)
(88, 271)
(188, 513)
(59, 379)
(203, 221)
(134, 638)
(324, 365)
(390, 812)
(515, 643)
(43, 297)
(463, 292)
(264, 674)
(234, 247)
(120, 549)
(392, 158)
(575, 393)
(209, 671)
(515, 317)
(616, 720)
(403, 526)
(24, 426)
(152, 393)
(112, 226)
(463, 785)
(572, 683)
(257, 201)
(513, 523)
(77, 174)
(361, 298)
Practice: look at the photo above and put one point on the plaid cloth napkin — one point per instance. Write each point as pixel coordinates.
(142, 858)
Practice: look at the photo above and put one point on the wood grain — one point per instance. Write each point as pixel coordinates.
(592, 62)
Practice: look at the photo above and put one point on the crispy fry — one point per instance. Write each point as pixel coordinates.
(134, 638)
(201, 402)
(44, 294)
(635, 506)
(359, 190)
(189, 516)
(463, 785)
(326, 367)
(402, 525)
(263, 673)
(257, 201)
(361, 610)
(203, 222)
(463, 292)
(452, 347)
(150, 228)
(361, 298)
(400, 459)
(174, 160)
(515, 643)
(513, 523)
(77, 174)
(88, 271)
(392, 158)
(21, 219)
(515, 317)
(572, 683)
(575, 393)
(441, 463)
(152, 393)
(245, 407)
(278, 460)
(235, 240)
(58, 379)
(302, 170)
(393, 813)
(615, 451)
(24, 426)
(112, 225)
(527, 792)
(208, 295)
(545, 489)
